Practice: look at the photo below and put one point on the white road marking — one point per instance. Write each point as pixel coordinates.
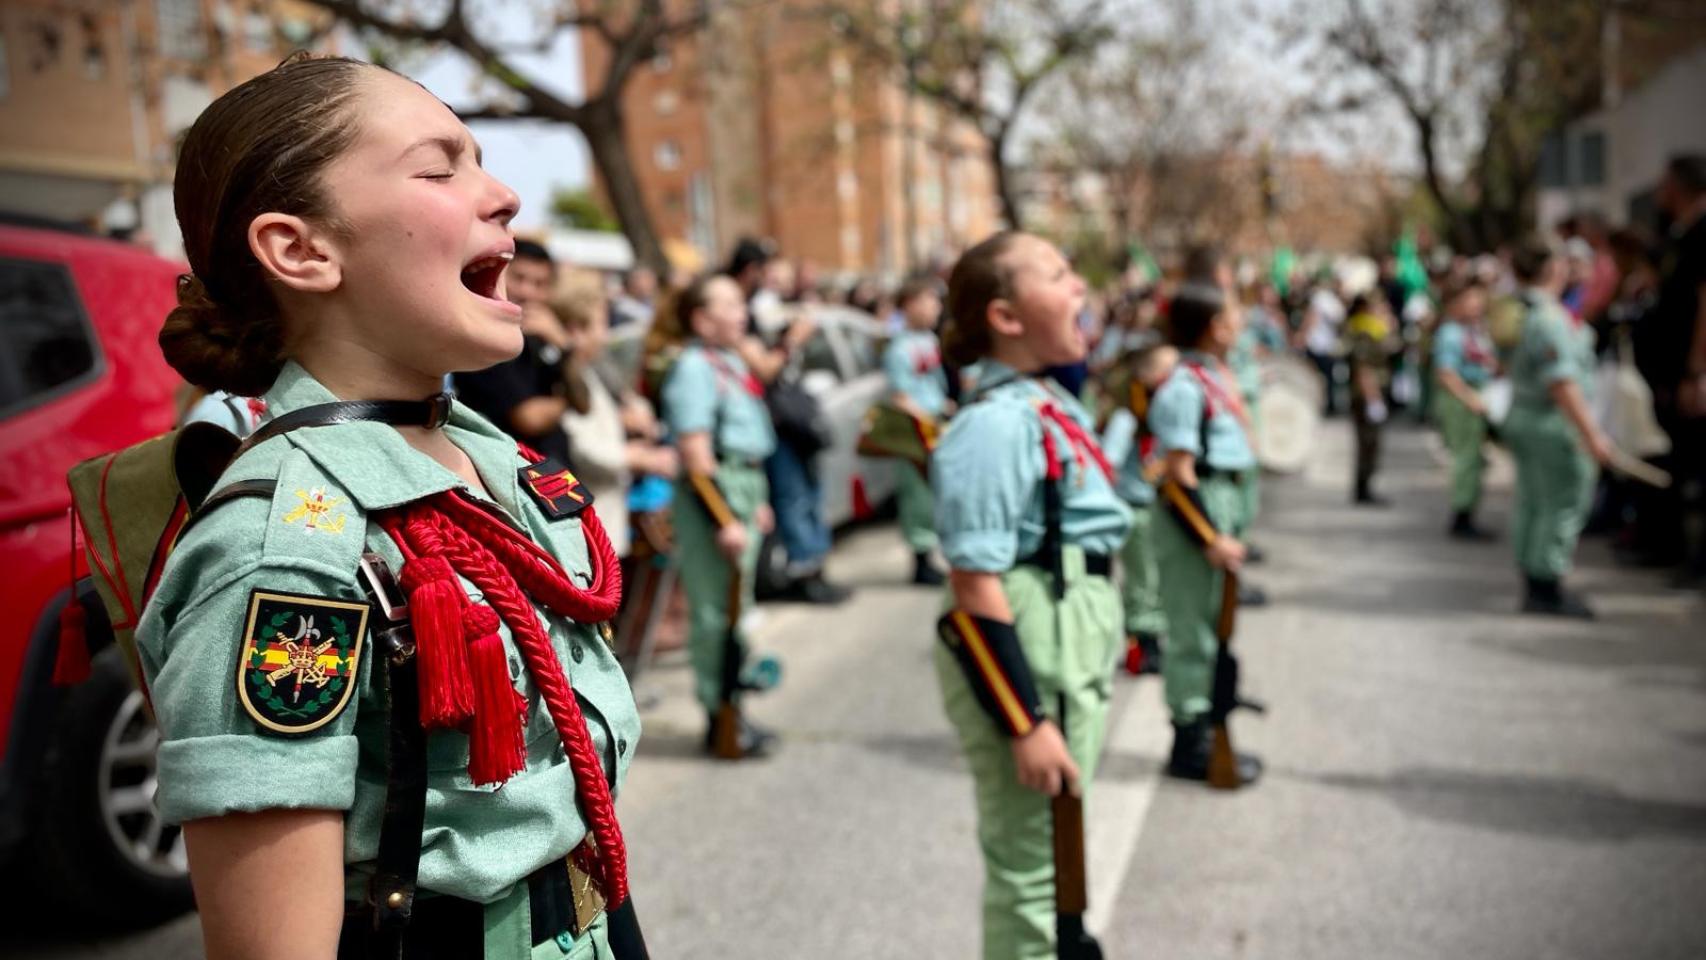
(1117, 810)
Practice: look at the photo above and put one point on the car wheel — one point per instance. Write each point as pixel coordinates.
(99, 838)
(772, 578)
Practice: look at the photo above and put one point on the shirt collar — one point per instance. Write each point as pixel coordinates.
(374, 464)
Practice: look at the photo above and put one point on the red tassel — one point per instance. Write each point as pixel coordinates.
(436, 603)
(71, 666)
(497, 749)
(1134, 657)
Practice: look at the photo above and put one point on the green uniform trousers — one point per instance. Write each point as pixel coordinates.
(1464, 433)
(509, 934)
(1190, 595)
(917, 508)
(1140, 580)
(1071, 647)
(1554, 489)
(705, 571)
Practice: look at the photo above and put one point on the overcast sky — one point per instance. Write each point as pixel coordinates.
(537, 158)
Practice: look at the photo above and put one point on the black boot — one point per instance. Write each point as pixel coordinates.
(1548, 598)
(925, 573)
(1250, 595)
(813, 588)
(1254, 554)
(754, 741)
(1365, 495)
(1193, 746)
(1463, 527)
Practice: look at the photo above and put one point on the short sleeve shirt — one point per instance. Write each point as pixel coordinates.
(1552, 347)
(988, 472)
(1464, 350)
(710, 389)
(913, 364)
(215, 758)
(1122, 445)
(1176, 416)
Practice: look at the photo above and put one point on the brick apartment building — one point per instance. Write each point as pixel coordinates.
(94, 93)
(762, 125)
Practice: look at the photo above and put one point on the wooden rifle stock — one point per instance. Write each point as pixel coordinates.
(1071, 882)
(725, 735)
(1222, 759)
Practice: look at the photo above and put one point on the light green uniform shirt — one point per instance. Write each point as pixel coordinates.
(988, 474)
(1552, 347)
(710, 389)
(214, 759)
(1120, 442)
(1465, 351)
(913, 364)
(1176, 417)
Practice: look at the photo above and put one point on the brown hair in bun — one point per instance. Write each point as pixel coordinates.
(260, 148)
(978, 279)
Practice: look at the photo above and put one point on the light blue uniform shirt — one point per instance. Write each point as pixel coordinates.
(707, 389)
(1120, 443)
(1176, 417)
(988, 474)
(1464, 351)
(913, 364)
(1553, 347)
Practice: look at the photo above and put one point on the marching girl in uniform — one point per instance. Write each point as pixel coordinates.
(715, 410)
(919, 386)
(346, 789)
(1029, 519)
(1200, 428)
(1463, 362)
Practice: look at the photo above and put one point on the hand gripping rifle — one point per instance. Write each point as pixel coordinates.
(1071, 885)
(1223, 760)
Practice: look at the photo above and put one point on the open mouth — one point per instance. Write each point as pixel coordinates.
(483, 276)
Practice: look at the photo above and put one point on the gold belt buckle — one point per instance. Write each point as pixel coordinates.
(589, 900)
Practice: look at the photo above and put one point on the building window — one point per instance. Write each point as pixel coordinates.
(182, 34)
(47, 342)
(5, 70)
(1590, 159)
(665, 102)
(667, 155)
(1554, 162)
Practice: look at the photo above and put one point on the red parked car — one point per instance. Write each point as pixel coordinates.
(80, 374)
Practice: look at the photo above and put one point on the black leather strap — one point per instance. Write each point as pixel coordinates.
(232, 491)
(430, 413)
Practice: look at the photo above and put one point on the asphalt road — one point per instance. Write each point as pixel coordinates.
(1446, 778)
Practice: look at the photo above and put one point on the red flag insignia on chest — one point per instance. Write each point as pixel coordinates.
(300, 654)
(558, 492)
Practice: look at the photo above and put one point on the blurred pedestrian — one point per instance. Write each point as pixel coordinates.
(1029, 519)
(912, 362)
(715, 410)
(1464, 363)
(1129, 444)
(1550, 432)
(1202, 435)
(1318, 336)
(638, 299)
(1371, 342)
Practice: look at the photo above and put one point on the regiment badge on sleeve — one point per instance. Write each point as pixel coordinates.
(300, 654)
(556, 489)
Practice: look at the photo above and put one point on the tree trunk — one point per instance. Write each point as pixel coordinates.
(1005, 188)
(607, 140)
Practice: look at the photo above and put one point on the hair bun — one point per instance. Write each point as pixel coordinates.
(215, 350)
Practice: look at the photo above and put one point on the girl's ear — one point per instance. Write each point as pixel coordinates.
(1003, 320)
(295, 253)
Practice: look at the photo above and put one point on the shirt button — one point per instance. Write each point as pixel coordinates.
(622, 747)
(577, 651)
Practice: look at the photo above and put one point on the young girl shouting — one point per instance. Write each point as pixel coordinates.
(439, 792)
(1029, 520)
